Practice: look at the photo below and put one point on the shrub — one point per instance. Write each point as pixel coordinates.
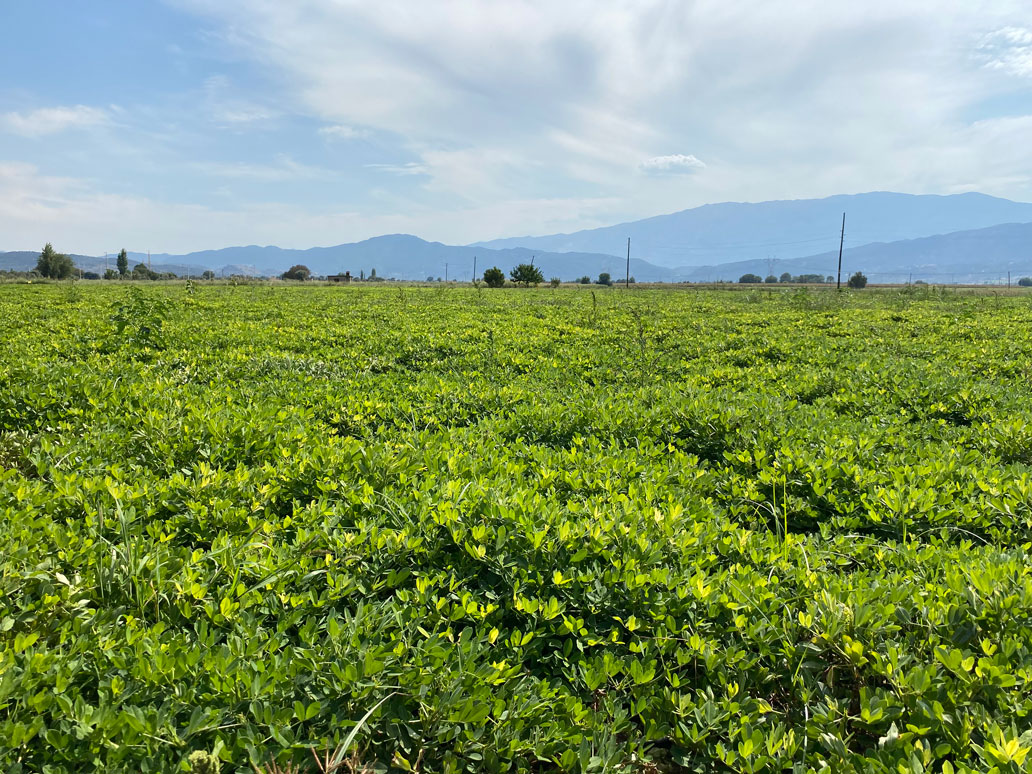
(138, 320)
(494, 277)
(527, 274)
(749, 279)
(555, 282)
(858, 281)
(297, 272)
(604, 279)
(1025, 282)
(585, 280)
(140, 272)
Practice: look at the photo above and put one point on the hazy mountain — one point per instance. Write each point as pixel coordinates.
(397, 256)
(722, 233)
(974, 256)
(969, 255)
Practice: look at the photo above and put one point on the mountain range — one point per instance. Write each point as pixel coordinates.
(892, 237)
(732, 231)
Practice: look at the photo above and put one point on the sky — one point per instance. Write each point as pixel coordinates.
(190, 124)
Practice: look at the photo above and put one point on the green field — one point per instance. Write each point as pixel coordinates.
(541, 530)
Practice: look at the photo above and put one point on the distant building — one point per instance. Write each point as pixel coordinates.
(345, 277)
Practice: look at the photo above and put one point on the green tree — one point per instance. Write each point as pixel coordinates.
(771, 279)
(555, 282)
(1025, 282)
(208, 274)
(123, 263)
(54, 265)
(585, 280)
(297, 272)
(527, 274)
(494, 277)
(142, 272)
(785, 277)
(858, 281)
(604, 279)
(750, 279)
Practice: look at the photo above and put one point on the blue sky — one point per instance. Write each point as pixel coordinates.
(189, 124)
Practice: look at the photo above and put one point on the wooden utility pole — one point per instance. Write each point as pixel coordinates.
(842, 238)
(474, 268)
(1008, 280)
(627, 278)
(445, 271)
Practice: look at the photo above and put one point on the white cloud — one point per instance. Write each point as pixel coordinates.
(409, 168)
(51, 120)
(226, 106)
(37, 208)
(282, 169)
(674, 164)
(342, 132)
(1008, 49)
(567, 92)
(532, 116)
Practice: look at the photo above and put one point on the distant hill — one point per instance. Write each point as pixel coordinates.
(965, 254)
(731, 231)
(398, 256)
(974, 256)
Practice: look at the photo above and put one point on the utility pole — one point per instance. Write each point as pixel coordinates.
(148, 261)
(1008, 280)
(445, 271)
(842, 238)
(627, 279)
(474, 268)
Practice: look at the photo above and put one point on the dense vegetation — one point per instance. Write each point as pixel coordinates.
(514, 530)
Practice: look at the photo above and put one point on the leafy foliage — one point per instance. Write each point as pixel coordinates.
(122, 262)
(464, 532)
(526, 274)
(858, 281)
(494, 277)
(54, 265)
(604, 279)
(750, 279)
(139, 319)
(300, 272)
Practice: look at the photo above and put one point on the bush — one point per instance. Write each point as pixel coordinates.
(749, 279)
(494, 277)
(141, 272)
(208, 275)
(585, 280)
(858, 281)
(1025, 282)
(138, 320)
(527, 274)
(555, 282)
(604, 279)
(297, 272)
(771, 279)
